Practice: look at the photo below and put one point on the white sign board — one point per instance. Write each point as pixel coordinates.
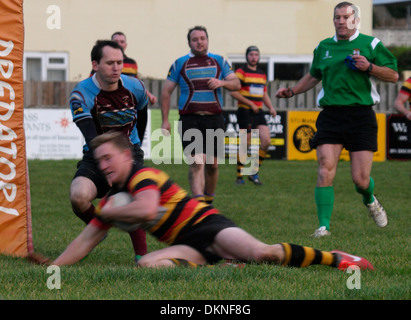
(51, 134)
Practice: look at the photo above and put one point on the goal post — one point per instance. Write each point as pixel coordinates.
(15, 207)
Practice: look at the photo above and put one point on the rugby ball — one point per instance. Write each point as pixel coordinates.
(118, 200)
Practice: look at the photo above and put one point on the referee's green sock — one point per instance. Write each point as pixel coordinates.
(368, 194)
(324, 199)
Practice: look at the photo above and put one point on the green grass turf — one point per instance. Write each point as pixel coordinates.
(282, 210)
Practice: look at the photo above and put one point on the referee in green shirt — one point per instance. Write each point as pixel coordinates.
(348, 65)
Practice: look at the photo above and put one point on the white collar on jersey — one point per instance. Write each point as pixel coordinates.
(95, 81)
(191, 54)
(353, 37)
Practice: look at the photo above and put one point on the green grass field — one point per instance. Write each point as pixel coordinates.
(282, 210)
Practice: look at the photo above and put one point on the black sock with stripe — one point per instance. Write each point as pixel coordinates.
(184, 263)
(299, 256)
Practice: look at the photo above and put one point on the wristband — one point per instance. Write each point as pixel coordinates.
(292, 92)
(369, 68)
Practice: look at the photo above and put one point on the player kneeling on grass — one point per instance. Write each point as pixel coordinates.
(196, 232)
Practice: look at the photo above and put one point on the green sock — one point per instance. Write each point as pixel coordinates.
(324, 199)
(368, 194)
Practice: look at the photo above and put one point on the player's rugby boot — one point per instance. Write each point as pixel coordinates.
(346, 260)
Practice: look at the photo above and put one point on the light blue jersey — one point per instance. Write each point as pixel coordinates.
(192, 74)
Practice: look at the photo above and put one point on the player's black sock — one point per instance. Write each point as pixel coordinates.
(299, 256)
(240, 167)
(209, 198)
(199, 197)
(184, 263)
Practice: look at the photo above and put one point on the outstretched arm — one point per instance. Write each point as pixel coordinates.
(306, 83)
(81, 246)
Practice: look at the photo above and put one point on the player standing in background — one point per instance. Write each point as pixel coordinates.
(347, 64)
(130, 68)
(200, 75)
(403, 97)
(106, 101)
(251, 97)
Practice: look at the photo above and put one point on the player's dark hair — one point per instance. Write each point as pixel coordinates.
(97, 51)
(118, 33)
(196, 28)
(117, 138)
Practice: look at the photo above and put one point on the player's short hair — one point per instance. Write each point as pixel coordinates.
(119, 139)
(118, 33)
(196, 28)
(343, 4)
(97, 51)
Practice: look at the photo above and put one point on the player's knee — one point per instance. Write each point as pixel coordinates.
(324, 171)
(265, 143)
(268, 253)
(211, 168)
(142, 264)
(325, 175)
(151, 262)
(361, 182)
(79, 201)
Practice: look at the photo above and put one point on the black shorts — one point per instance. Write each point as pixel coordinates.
(88, 167)
(142, 123)
(202, 235)
(354, 127)
(205, 132)
(248, 119)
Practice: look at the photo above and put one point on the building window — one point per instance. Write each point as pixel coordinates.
(278, 67)
(45, 66)
(392, 14)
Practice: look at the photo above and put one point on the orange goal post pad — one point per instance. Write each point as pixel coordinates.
(15, 208)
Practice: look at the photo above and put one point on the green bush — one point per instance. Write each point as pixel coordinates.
(403, 55)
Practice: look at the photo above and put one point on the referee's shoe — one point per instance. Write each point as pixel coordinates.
(377, 212)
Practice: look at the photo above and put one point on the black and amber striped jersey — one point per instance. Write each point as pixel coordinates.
(178, 211)
(406, 88)
(130, 67)
(253, 85)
